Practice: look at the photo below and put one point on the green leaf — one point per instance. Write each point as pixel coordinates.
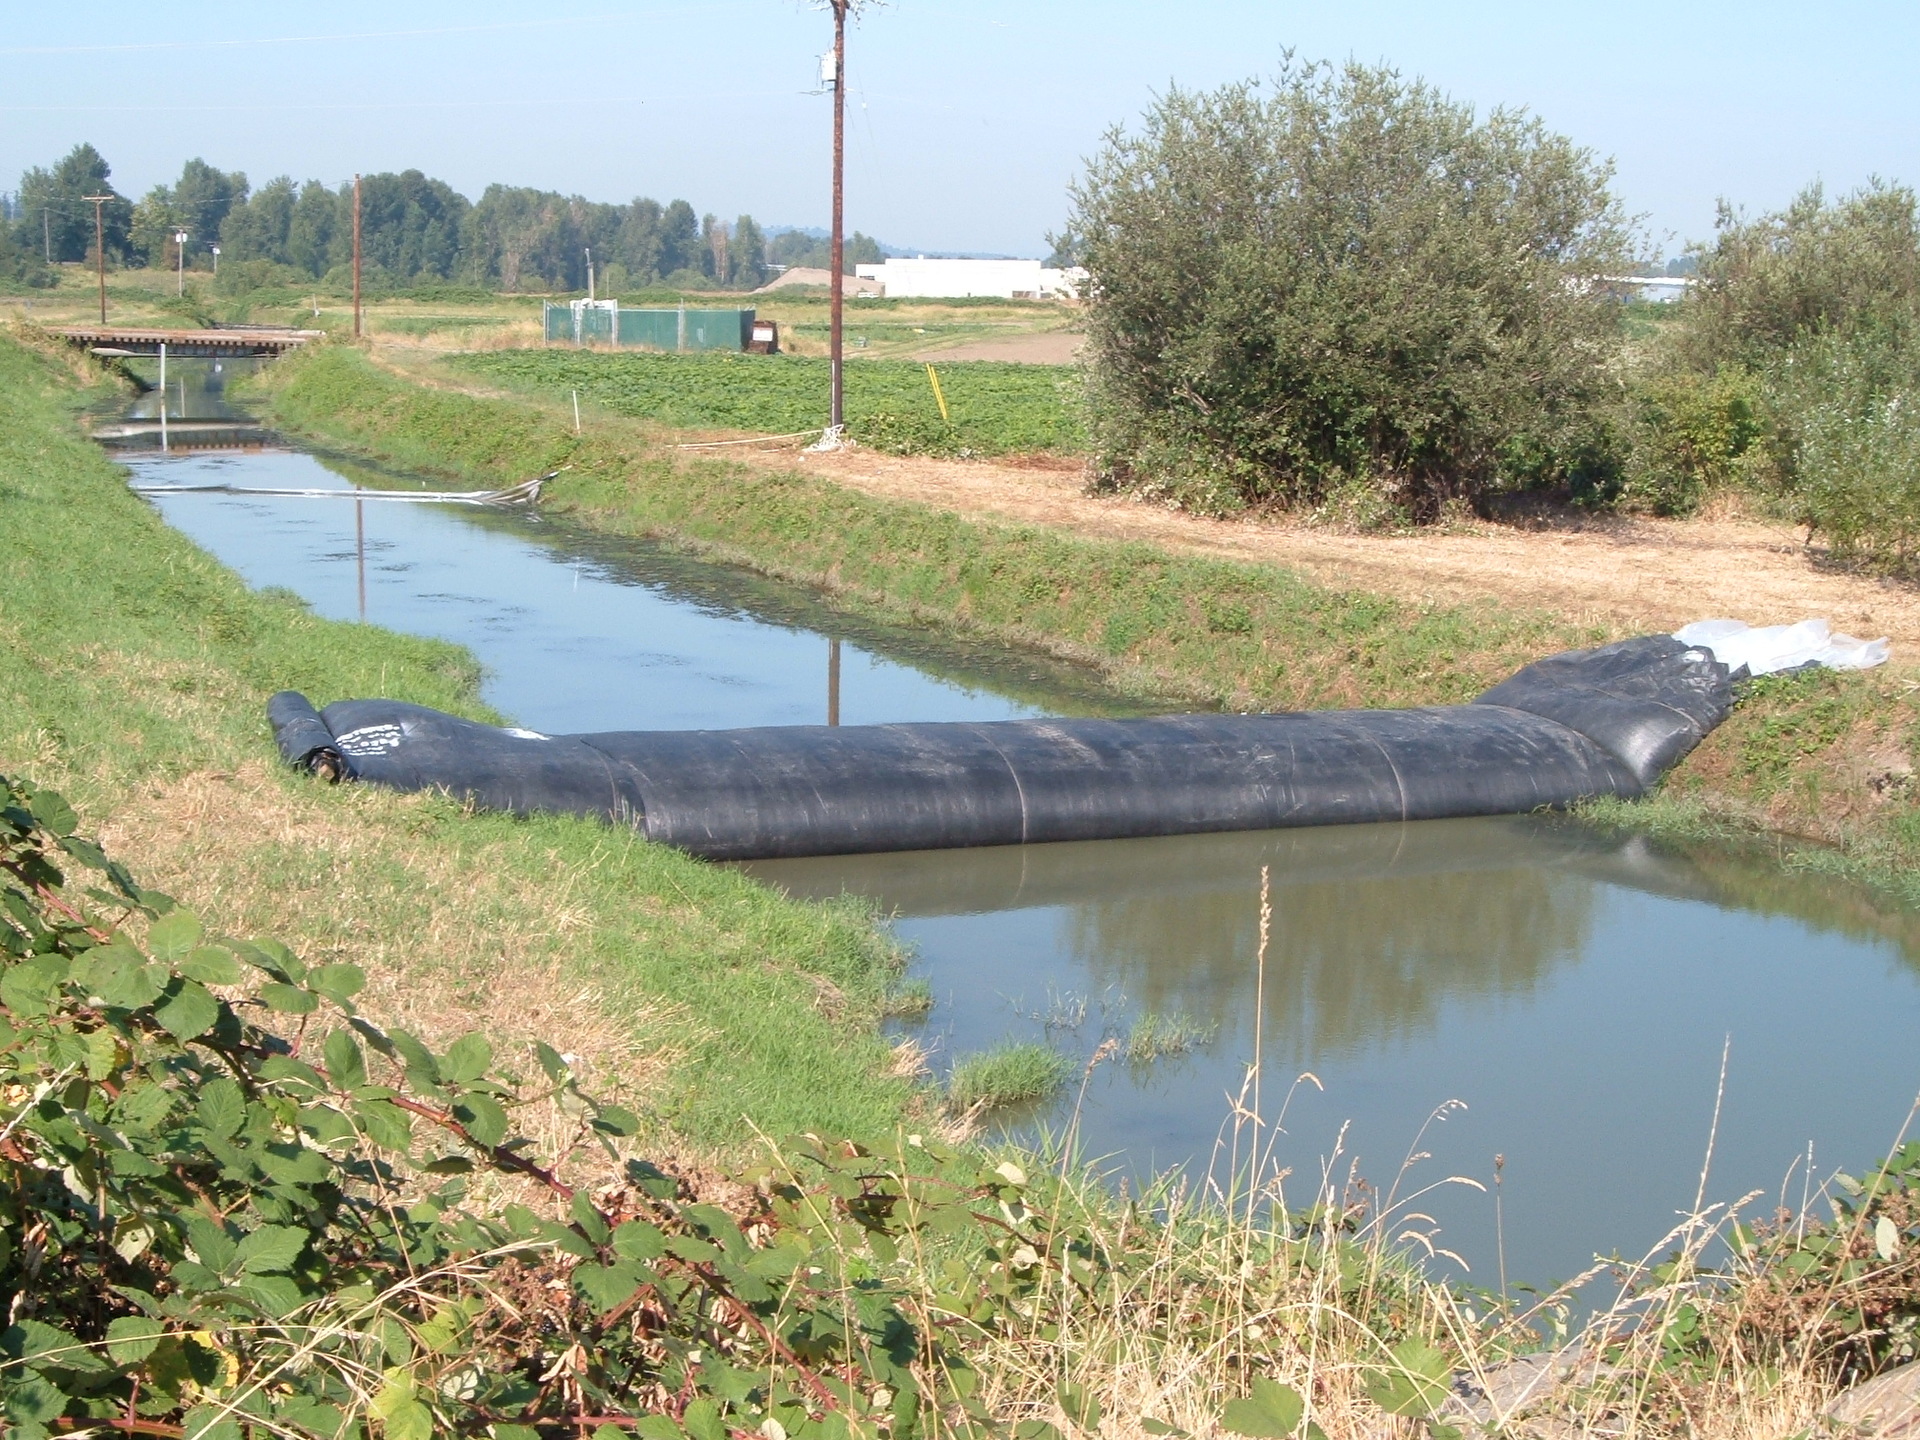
(53, 813)
(346, 1065)
(607, 1287)
(466, 1059)
(210, 966)
(269, 1249)
(1161, 1427)
(188, 1011)
(1417, 1383)
(441, 1331)
(39, 1346)
(386, 1124)
(121, 976)
(637, 1240)
(339, 983)
(419, 1060)
(132, 1338)
(212, 1246)
(588, 1218)
(85, 851)
(28, 988)
(32, 1401)
(288, 999)
(1081, 1405)
(658, 1427)
(486, 1122)
(1269, 1411)
(616, 1120)
(1037, 1430)
(400, 1409)
(172, 937)
(273, 957)
(222, 1107)
(703, 1421)
(556, 1068)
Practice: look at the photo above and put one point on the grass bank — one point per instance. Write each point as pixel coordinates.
(1823, 758)
(133, 674)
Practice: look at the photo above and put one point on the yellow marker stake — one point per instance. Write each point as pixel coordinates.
(934, 380)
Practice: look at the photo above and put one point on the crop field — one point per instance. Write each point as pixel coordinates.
(996, 408)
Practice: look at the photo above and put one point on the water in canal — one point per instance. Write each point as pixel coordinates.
(1564, 998)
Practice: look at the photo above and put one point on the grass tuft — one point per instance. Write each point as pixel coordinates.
(1158, 1037)
(1008, 1074)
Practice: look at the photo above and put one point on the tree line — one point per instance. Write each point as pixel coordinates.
(415, 230)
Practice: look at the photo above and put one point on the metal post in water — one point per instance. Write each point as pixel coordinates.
(833, 682)
(163, 396)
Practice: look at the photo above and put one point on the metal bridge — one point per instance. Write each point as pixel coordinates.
(230, 342)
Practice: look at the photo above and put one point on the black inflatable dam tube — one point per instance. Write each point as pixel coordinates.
(1597, 722)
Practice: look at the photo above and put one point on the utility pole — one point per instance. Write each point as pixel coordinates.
(216, 260)
(180, 251)
(100, 248)
(356, 257)
(46, 231)
(589, 272)
(837, 417)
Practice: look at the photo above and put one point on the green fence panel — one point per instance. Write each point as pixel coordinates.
(717, 330)
(675, 329)
(650, 329)
(596, 325)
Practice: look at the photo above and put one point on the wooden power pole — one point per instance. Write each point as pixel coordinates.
(100, 248)
(838, 290)
(356, 257)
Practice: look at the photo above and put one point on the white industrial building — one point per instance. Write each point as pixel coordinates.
(958, 279)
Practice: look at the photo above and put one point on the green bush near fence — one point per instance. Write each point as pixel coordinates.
(995, 408)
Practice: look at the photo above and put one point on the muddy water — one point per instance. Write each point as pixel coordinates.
(1562, 999)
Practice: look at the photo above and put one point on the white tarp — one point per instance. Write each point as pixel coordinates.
(1781, 647)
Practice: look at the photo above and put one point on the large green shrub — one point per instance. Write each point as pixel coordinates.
(1692, 434)
(1343, 278)
(1846, 412)
(1765, 286)
(1812, 317)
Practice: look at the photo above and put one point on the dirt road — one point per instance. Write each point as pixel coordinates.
(1046, 347)
(1634, 575)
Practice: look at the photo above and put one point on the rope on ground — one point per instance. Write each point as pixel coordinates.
(750, 440)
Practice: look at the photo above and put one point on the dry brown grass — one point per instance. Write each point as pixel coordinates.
(447, 947)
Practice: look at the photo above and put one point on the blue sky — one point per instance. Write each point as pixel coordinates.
(968, 117)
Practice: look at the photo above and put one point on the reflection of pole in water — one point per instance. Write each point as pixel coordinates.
(163, 395)
(360, 549)
(833, 682)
